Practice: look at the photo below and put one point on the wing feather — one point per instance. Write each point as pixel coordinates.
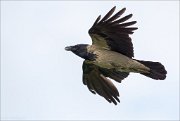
(127, 24)
(117, 15)
(98, 83)
(108, 14)
(113, 31)
(125, 18)
(98, 18)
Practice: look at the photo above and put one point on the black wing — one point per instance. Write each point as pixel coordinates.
(95, 79)
(113, 32)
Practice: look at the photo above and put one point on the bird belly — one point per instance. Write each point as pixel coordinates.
(113, 60)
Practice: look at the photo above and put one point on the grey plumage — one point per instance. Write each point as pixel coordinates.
(111, 55)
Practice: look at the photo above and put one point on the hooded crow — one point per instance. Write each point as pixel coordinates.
(111, 56)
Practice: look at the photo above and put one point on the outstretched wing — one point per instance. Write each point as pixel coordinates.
(95, 79)
(98, 83)
(113, 32)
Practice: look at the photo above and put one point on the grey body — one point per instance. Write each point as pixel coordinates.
(112, 60)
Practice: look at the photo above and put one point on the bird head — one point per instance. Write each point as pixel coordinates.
(81, 50)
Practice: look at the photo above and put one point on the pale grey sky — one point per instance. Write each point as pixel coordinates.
(40, 80)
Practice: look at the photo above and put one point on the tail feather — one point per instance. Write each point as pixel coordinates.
(157, 70)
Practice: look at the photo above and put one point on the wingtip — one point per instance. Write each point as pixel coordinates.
(97, 20)
(114, 7)
(123, 9)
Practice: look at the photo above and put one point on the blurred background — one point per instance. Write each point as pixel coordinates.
(42, 81)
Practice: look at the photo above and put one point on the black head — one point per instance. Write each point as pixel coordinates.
(81, 50)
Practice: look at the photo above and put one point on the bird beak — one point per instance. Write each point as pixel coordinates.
(68, 48)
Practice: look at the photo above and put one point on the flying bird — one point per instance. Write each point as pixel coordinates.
(111, 56)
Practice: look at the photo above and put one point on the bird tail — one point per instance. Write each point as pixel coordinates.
(157, 70)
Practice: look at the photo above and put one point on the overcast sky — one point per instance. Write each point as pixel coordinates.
(40, 80)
